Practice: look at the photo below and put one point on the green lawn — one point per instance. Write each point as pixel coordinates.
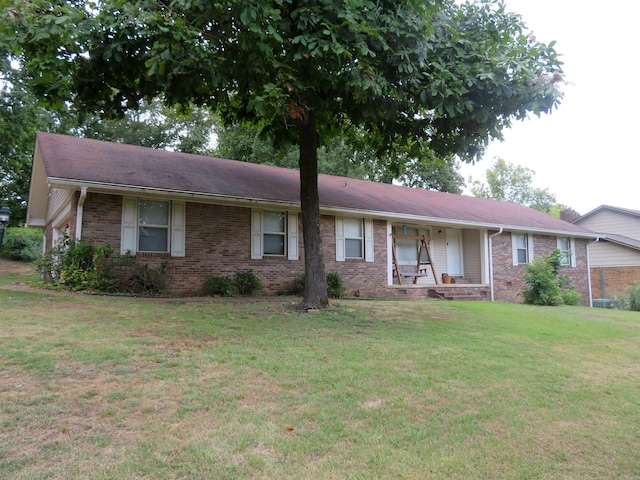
(108, 388)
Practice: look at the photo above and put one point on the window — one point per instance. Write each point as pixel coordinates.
(567, 249)
(407, 248)
(274, 234)
(522, 248)
(354, 239)
(153, 226)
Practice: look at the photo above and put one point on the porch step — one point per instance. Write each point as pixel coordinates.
(478, 295)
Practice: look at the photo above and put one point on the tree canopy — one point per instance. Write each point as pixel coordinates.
(407, 72)
(514, 183)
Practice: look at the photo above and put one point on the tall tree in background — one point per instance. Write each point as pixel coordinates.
(408, 72)
(20, 118)
(347, 156)
(514, 183)
(21, 115)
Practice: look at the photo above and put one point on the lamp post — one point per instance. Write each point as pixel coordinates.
(5, 214)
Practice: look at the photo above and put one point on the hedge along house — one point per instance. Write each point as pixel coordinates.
(204, 217)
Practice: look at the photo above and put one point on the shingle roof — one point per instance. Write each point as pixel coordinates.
(628, 211)
(92, 162)
(621, 240)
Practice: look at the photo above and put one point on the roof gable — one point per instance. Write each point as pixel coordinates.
(77, 161)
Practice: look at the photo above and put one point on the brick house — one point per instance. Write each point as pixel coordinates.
(205, 217)
(615, 256)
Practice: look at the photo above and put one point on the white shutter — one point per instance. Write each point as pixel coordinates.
(514, 248)
(128, 236)
(340, 246)
(530, 247)
(292, 236)
(178, 228)
(256, 234)
(572, 243)
(368, 239)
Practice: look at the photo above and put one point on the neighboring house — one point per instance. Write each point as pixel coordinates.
(615, 257)
(212, 217)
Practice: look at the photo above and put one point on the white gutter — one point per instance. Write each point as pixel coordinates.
(589, 270)
(295, 205)
(491, 261)
(79, 212)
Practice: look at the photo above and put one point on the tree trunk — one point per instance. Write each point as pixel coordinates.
(315, 286)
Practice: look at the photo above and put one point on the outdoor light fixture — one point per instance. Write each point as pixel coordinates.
(5, 214)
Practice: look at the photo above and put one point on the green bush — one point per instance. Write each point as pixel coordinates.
(335, 285)
(634, 298)
(541, 277)
(22, 244)
(219, 286)
(246, 282)
(297, 288)
(570, 295)
(79, 266)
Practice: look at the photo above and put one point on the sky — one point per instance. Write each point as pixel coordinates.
(585, 152)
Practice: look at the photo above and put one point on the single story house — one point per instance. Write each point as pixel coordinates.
(615, 256)
(204, 217)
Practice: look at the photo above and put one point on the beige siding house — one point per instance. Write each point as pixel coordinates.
(615, 256)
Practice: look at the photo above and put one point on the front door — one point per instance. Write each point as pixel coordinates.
(454, 252)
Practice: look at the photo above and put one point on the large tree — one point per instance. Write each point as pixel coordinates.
(408, 72)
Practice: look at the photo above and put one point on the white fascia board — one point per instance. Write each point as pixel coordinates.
(295, 206)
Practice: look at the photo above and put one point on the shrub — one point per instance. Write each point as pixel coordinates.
(23, 244)
(634, 298)
(246, 282)
(297, 288)
(148, 280)
(569, 294)
(219, 286)
(335, 285)
(79, 266)
(543, 285)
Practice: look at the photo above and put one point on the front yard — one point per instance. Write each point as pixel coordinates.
(109, 388)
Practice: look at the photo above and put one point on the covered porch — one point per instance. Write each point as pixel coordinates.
(432, 261)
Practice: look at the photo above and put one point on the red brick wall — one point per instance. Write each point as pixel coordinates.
(616, 280)
(218, 243)
(508, 278)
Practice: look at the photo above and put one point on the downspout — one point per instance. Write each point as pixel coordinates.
(589, 270)
(499, 232)
(79, 212)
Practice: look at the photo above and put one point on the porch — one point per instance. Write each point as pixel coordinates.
(431, 261)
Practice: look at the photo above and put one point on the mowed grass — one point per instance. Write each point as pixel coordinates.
(108, 388)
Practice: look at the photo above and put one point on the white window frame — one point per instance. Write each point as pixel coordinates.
(515, 247)
(366, 239)
(130, 225)
(165, 227)
(290, 235)
(568, 258)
